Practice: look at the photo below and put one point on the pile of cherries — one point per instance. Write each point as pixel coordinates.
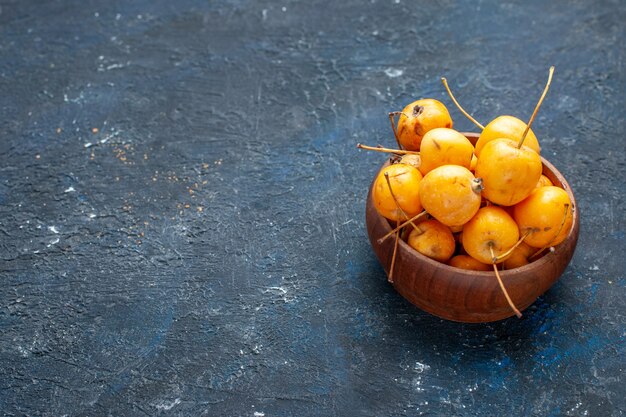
(478, 207)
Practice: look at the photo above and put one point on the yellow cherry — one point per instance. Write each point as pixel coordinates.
(473, 163)
(543, 182)
(506, 127)
(490, 233)
(469, 263)
(547, 214)
(456, 229)
(519, 256)
(509, 173)
(402, 185)
(443, 146)
(450, 194)
(432, 239)
(418, 118)
(411, 159)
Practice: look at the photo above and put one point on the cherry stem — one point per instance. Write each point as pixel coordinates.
(506, 294)
(558, 232)
(466, 114)
(393, 126)
(532, 118)
(395, 200)
(412, 219)
(386, 150)
(393, 257)
(395, 245)
(504, 255)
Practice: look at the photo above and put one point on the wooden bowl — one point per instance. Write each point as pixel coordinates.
(470, 296)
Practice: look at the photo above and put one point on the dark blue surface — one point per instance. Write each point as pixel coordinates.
(204, 252)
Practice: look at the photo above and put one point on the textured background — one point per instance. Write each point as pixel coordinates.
(203, 252)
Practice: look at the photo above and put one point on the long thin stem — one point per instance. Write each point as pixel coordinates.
(386, 150)
(395, 245)
(466, 114)
(393, 126)
(504, 255)
(414, 218)
(393, 257)
(504, 291)
(395, 200)
(532, 118)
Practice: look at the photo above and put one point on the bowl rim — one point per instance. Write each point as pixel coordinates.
(460, 273)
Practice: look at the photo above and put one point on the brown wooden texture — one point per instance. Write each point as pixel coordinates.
(470, 296)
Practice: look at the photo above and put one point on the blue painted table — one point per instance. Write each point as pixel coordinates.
(182, 207)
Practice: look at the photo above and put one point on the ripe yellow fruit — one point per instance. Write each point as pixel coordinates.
(543, 181)
(491, 229)
(432, 239)
(456, 229)
(411, 159)
(450, 194)
(469, 263)
(546, 214)
(509, 173)
(442, 146)
(473, 163)
(418, 118)
(404, 180)
(506, 127)
(519, 256)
